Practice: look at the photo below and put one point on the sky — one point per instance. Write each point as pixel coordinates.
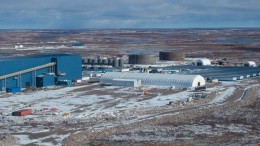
(102, 14)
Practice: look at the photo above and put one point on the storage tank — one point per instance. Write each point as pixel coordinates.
(89, 61)
(116, 62)
(171, 56)
(104, 61)
(142, 59)
(84, 60)
(99, 60)
(110, 61)
(94, 60)
(121, 62)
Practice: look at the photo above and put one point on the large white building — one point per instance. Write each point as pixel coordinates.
(250, 64)
(202, 62)
(179, 81)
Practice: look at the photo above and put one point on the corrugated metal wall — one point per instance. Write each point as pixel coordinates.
(69, 64)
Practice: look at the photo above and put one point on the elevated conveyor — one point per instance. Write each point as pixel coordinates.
(27, 70)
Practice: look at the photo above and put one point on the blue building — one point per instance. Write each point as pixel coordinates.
(39, 71)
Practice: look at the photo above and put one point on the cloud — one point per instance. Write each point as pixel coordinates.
(76, 14)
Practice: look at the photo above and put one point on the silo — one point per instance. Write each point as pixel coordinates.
(142, 59)
(104, 61)
(121, 62)
(116, 62)
(110, 61)
(89, 61)
(94, 60)
(84, 60)
(99, 60)
(171, 56)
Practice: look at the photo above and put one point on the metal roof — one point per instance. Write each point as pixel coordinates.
(36, 56)
(181, 81)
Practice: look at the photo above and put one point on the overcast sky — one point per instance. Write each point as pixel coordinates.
(87, 14)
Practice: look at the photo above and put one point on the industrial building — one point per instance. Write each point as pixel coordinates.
(178, 81)
(217, 72)
(39, 71)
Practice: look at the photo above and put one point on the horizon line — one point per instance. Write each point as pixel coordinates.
(128, 28)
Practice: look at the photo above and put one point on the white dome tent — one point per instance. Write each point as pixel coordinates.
(179, 81)
(202, 62)
(250, 64)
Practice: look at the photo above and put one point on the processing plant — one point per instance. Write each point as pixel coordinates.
(39, 71)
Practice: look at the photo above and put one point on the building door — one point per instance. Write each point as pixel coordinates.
(198, 83)
(199, 64)
(27, 84)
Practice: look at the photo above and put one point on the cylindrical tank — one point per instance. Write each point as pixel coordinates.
(84, 60)
(121, 62)
(94, 61)
(142, 59)
(116, 62)
(171, 56)
(99, 60)
(110, 61)
(89, 60)
(104, 61)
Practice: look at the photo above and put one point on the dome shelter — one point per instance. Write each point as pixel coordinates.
(202, 62)
(250, 64)
(179, 81)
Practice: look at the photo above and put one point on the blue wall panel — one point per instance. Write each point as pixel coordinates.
(69, 64)
(44, 81)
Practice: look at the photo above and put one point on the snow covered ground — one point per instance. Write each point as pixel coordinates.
(222, 96)
(78, 105)
(85, 102)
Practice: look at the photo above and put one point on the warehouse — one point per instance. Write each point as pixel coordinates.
(179, 81)
(217, 72)
(38, 71)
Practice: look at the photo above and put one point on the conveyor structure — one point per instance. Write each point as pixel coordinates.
(19, 73)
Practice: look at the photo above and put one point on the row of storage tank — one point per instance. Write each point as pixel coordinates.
(115, 62)
(151, 59)
(135, 59)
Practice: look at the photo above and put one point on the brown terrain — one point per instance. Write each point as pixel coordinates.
(234, 121)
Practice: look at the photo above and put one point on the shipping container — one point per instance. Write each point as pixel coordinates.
(65, 83)
(23, 112)
(13, 89)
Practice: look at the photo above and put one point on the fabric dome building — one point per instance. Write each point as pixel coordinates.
(250, 64)
(179, 81)
(202, 62)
